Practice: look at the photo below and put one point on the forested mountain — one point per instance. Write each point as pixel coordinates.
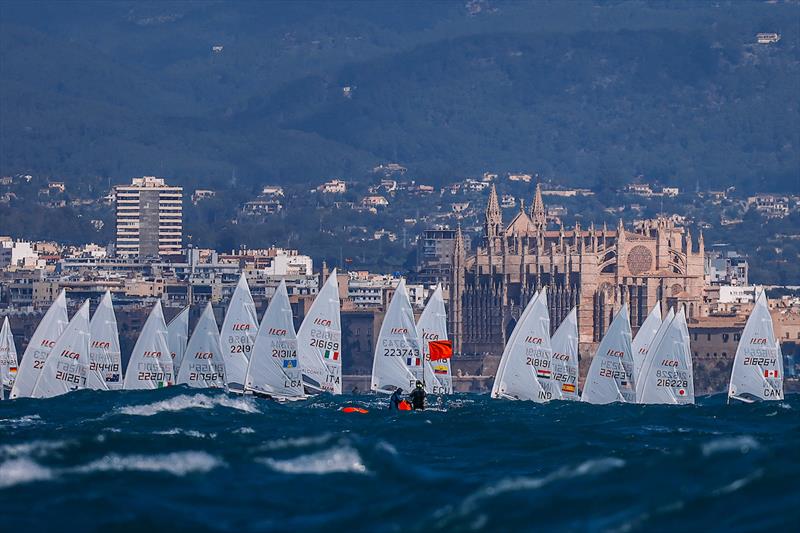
(591, 93)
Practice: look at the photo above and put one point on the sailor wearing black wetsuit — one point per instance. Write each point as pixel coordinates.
(417, 397)
(394, 400)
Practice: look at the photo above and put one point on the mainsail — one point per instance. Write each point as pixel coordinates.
(105, 360)
(650, 350)
(319, 341)
(67, 366)
(644, 337)
(150, 365)
(758, 366)
(565, 356)
(273, 368)
(40, 346)
(203, 365)
(8, 357)
(432, 326)
(669, 377)
(610, 377)
(516, 377)
(398, 348)
(178, 336)
(239, 330)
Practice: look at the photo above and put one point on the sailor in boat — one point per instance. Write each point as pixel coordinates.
(395, 399)
(417, 397)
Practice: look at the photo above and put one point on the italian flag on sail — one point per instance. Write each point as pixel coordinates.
(331, 355)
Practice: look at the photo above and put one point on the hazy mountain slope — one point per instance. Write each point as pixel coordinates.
(591, 92)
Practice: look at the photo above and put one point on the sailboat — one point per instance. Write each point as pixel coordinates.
(40, 346)
(758, 366)
(273, 368)
(564, 344)
(610, 377)
(669, 377)
(105, 359)
(432, 326)
(150, 364)
(203, 364)
(319, 341)
(178, 336)
(650, 349)
(8, 358)
(398, 349)
(644, 337)
(516, 376)
(238, 334)
(66, 368)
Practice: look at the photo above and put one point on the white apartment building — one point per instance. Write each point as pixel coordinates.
(149, 218)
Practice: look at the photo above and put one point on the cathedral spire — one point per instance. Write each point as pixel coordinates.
(537, 210)
(493, 224)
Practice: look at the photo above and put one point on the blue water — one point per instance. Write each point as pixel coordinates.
(179, 460)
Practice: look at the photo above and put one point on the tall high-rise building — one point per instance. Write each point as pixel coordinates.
(149, 218)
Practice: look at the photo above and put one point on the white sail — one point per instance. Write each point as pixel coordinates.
(273, 368)
(610, 377)
(649, 350)
(105, 359)
(8, 357)
(319, 341)
(67, 366)
(203, 365)
(150, 365)
(644, 337)
(239, 330)
(40, 346)
(516, 376)
(669, 378)
(398, 348)
(178, 337)
(504, 358)
(432, 326)
(758, 366)
(565, 356)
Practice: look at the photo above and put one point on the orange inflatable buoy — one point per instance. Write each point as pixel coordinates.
(354, 410)
(404, 406)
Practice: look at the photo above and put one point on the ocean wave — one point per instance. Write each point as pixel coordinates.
(296, 442)
(185, 401)
(27, 420)
(19, 471)
(742, 444)
(244, 430)
(35, 448)
(187, 432)
(334, 461)
(177, 463)
(522, 483)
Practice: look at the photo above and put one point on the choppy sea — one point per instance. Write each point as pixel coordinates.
(185, 460)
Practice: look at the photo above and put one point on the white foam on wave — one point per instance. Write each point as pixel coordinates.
(739, 483)
(177, 463)
(36, 447)
(19, 471)
(244, 430)
(187, 432)
(741, 444)
(186, 401)
(333, 461)
(590, 467)
(296, 442)
(27, 420)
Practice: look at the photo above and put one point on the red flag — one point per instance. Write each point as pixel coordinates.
(440, 350)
